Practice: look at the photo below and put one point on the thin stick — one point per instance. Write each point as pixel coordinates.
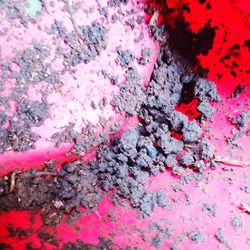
(232, 162)
(38, 174)
(13, 181)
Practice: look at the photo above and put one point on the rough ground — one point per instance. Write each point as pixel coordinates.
(147, 149)
(164, 139)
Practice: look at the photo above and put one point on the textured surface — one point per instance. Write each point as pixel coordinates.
(200, 211)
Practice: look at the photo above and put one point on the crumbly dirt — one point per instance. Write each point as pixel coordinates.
(125, 163)
(239, 89)
(241, 121)
(128, 161)
(35, 68)
(19, 232)
(102, 245)
(52, 191)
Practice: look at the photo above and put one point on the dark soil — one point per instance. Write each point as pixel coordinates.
(79, 245)
(239, 89)
(125, 163)
(49, 238)
(4, 246)
(19, 232)
(35, 67)
(241, 121)
(104, 244)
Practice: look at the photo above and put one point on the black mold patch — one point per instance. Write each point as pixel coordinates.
(202, 1)
(190, 44)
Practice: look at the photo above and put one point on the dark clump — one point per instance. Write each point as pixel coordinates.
(187, 159)
(208, 6)
(247, 44)
(83, 141)
(104, 11)
(91, 40)
(239, 89)
(18, 137)
(32, 112)
(207, 111)
(131, 22)
(77, 187)
(221, 238)
(16, 125)
(131, 94)
(242, 120)
(190, 44)
(163, 232)
(157, 242)
(125, 163)
(80, 245)
(18, 232)
(203, 40)
(125, 58)
(236, 222)
(206, 90)
(33, 67)
(158, 32)
(73, 187)
(27, 193)
(191, 132)
(3, 119)
(51, 214)
(196, 237)
(210, 209)
(48, 238)
(186, 7)
(113, 3)
(232, 141)
(145, 56)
